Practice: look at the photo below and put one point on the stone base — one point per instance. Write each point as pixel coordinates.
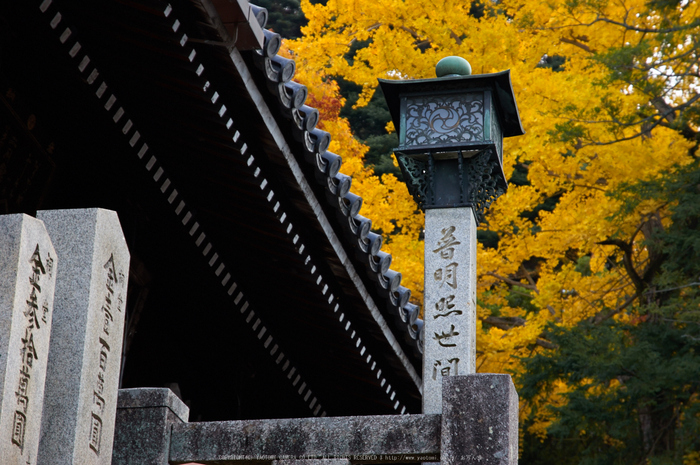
(143, 425)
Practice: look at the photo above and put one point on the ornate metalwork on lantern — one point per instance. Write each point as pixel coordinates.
(451, 131)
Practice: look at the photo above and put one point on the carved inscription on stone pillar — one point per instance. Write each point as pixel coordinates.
(86, 340)
(114, 289)
(445, 308)
(450, 303)
(27, 280)
(36, 309)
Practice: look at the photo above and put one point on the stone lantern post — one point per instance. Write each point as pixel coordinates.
(450, 152)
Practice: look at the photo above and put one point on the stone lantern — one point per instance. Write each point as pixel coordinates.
(451, 132)
(450, 151)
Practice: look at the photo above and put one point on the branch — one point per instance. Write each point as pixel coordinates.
(545, 344)
(528, 276)
(664, 109)
(626, 26)
(504, 323)
(626, 248)
(512, 282)
(658, 437)
(576, 43)
(601, 298)
(599, 318)
(656, 256)
(654, 121)
(540, 341)
(588, 187)
(674, 288)
(692, 25)
(413, 33)
(670, 59)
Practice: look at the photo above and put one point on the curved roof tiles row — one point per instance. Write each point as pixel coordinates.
(278, 72)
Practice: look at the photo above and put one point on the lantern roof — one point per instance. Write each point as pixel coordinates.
(498, 83)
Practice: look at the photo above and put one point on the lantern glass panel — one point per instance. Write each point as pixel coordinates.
(448, 188)
(496, 132)
(445, 119)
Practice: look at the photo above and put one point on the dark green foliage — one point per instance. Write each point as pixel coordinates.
(664, 4)
(547, 205)
(567, 132)
(633, 384)
(555, 62)
(368, 124)
(365, 121)
(355, 45)
(380, 154)
(489, 239)
(547, 452)
(284, 17)
(583, 265)
(624, 62)
(476, 9)
(681, 242)
(519, 176)
(519, 297)
(633, 389)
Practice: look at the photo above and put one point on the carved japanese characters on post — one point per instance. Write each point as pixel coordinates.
(113, 300)
(27, 284)
(450, 307)
(28, 350)
(446, 277)
(86, 348)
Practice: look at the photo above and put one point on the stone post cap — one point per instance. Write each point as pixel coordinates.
(496, 380)
(153, 398)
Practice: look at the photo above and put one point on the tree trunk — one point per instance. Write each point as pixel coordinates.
(657, 428)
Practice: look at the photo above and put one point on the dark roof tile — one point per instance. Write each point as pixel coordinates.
(278, 72)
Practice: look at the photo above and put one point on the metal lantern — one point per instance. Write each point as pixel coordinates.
(451, 131)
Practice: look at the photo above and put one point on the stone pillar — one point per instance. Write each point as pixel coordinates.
(144, 421)
(27, 281)
(449, 300)
(86, 342)
(479, 420)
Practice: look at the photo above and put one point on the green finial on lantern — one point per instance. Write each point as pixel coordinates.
(453, 67)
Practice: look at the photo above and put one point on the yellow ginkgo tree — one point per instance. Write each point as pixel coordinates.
(614, 112)
(609, 96)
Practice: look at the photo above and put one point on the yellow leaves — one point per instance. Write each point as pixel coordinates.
(544, 417)
(390, 127)
(386, 201)
(407, 257)
(396, 28)
(691, 458)
(581, 145)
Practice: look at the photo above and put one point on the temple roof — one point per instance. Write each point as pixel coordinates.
(182, 118)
